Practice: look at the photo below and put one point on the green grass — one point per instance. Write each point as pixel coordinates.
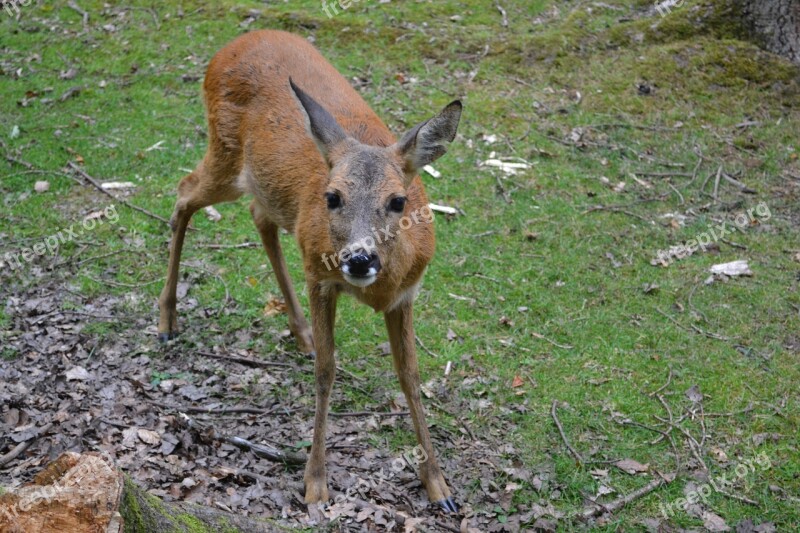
(581, 278)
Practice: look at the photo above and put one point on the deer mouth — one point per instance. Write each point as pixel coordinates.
(360, 281)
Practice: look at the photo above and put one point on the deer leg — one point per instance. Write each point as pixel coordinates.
(323, 315)
(399, 323)
(195, 191)
(272, 245)
(168, 319)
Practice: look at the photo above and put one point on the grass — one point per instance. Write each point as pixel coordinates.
(546, 288)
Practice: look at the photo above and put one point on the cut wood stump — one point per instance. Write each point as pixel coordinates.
(87, 493)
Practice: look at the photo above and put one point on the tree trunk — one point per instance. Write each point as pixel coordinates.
(88, 494)
(775, 24)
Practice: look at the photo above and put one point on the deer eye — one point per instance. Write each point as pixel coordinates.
(334, 200)
(397, 204)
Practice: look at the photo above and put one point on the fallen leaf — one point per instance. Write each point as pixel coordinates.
(714, 522)
(77, 373)
(274, 307)
(694, 394)
(732, 269)
(518, 382)
(212, 214)
(149, 437)
(630, 466)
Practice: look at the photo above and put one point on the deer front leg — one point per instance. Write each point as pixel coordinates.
(399, 323)
(323, 314)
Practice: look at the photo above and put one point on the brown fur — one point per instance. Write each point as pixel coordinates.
(259, 144)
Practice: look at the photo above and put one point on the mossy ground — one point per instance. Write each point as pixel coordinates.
(537, 244)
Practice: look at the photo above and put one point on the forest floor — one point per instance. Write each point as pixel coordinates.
(587, 362)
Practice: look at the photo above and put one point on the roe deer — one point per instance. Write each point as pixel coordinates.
(287, 128)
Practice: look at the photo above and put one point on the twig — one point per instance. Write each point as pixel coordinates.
(229, 246)
(554, 343)
(75, 7)
(746, 410)
(744, 188)
(20, 448)
(615, 210)
(694, 328)
(422, 345)
(505, 15)
(734, 244)
(125, 285)
(631, 126)
(680, 196)
(599, 509)
(246, 361)
(664, 386)
(20, 162)
(367, 413)
(664, 174)
(736, 497)
(716, 183)
(572, 450)
(215, 410)
(124, 202)
(265, 451)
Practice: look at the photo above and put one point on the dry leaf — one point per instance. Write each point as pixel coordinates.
(149, 437)
(274, 307)
(77, 373)
(694, 394)
(518, 382)
(212, 214)
(732, 269)
(714, 522)
(631, 467)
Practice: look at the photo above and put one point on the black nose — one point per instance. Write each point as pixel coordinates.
(360, 263)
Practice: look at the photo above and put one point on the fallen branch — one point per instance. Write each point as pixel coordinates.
(20, 448)
(246, 361)
(265, 451)
(124, 202)
(599, 509)
(563, 435)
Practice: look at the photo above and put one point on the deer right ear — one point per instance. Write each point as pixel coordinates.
(427, 142)
(320, 125)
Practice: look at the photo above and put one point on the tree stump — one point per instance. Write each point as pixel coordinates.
(87, 493)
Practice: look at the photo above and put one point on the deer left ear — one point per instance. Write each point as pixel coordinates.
(320, 125)
(426, 142)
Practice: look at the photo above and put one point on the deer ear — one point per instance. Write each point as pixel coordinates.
(426, 142)
(320, 125)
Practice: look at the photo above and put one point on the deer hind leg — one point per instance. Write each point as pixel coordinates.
(272, 245)
(399, 324)
(199, 189)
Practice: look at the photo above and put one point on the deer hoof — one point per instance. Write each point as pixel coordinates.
(163, 338)
(448, 505)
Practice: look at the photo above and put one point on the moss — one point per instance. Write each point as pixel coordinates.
(193, 524)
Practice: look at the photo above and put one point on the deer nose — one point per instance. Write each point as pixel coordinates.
(362, 264)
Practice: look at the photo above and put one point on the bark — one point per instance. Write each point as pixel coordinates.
(775, 24)
(88, 494)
